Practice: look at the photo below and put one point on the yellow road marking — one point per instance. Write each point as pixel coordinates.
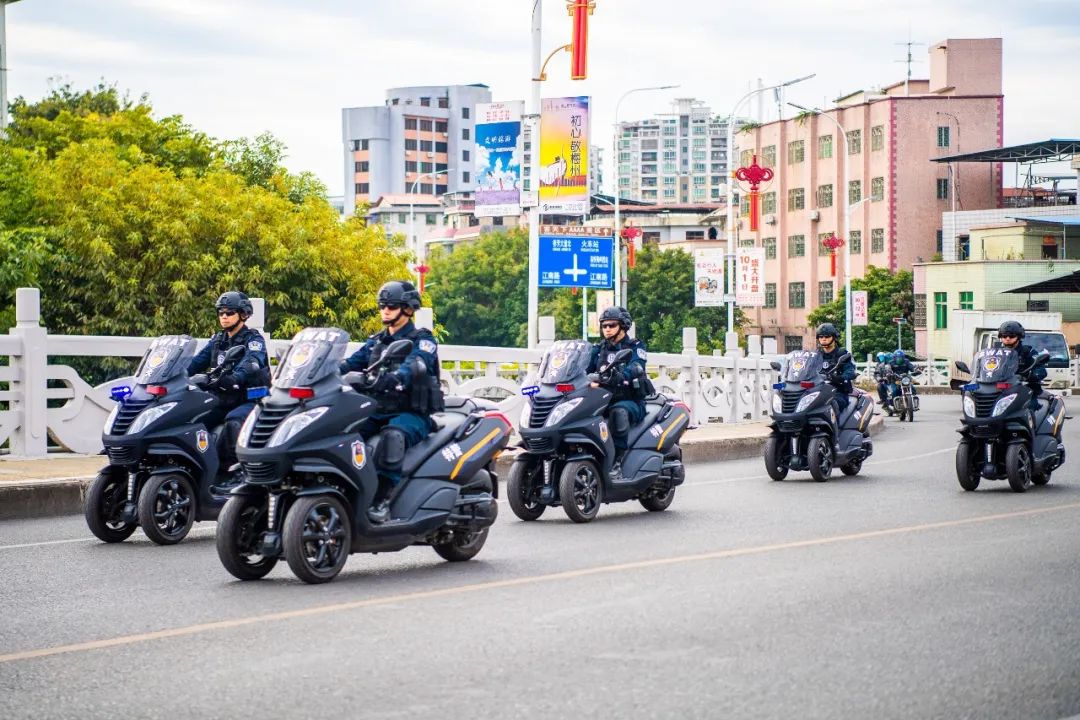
(513, 582)
(472, 451)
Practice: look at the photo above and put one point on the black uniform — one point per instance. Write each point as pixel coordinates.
(841, 380)
(630, 385)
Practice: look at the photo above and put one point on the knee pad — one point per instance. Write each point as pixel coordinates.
(620, 421)
(390, 453)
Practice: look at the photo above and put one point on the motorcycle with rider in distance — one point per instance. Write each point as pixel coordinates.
(808, 431)
(903, 400)
(165, 469)
(1006, 433)
(567, 447)
(310, 477)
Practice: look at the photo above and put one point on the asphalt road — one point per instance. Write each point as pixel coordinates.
(890, 595)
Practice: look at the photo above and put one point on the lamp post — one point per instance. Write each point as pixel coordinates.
(731, 337)
(415, 246)
(621, 282)
(3, 66)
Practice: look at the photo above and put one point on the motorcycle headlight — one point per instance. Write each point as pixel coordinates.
(247, 427)
(148, 416)
(905, 380)
(294, 424)
(561, 410)
(1002, 405)
(806, 401)
(526, 414)
(969, 406)
(777, 403)
(111, 419)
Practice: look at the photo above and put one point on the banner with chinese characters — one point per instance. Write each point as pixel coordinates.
(498, 159)
(708, 277)
(564, 156)
(859, 314)
(749, 277)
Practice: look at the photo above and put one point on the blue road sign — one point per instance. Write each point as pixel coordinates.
(575, 261)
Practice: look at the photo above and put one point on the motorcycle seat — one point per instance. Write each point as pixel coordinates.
(446, 425)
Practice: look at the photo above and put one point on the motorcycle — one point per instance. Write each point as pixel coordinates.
(310, 477)
(807, 431)
(568, 451)
(903, 399)
(1002, 436)
(164, 470)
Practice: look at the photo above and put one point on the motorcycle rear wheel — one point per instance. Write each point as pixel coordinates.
(656, 501)
(462, 546)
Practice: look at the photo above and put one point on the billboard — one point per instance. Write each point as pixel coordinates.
(859, 308)
(498, 159)
(564, 156)
(709, 277)
(749, 274)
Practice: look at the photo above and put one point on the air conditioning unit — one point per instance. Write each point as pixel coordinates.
(431, 154)
(814, 216)
(770, 219)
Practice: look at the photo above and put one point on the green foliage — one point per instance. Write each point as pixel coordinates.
(889, 295)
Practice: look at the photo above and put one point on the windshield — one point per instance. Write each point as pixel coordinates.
(564, 361)
(802, 365)
(314, 354)
(167, 357)
(1054, 343)
(995, 365)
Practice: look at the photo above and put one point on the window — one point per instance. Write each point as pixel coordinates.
(796, 295)
(410, 166)
(425, 167)
(497, 220)
(363, 144)
(362, 188)
(465, 134)
(465, 156)
(410, 123)
(943, 188)
(940, 240)
(770, 247)
(877, 137)
(967, 299)
(768, 156)
(745, 157)
(854, 142)
(792, 343)
(402, 217)
(444, 102)
(427, 145)
(825, 292)
(426, 125)
(749, 242)
(795, 152)
(943, 136)
(824, 196)
(440, 147)
(362, 166)
(941, 311)
(410, 144)
(425, 188)
(770, 295)
(822, 250)
(796, 246)
(877, 189)
(796, 199)
(856, 241)
(465, 177)
(425, 101)
(440, 167)
(744, 206)
(440, 126)
(877, 240)
(768, 202)
(440, 189)
(695, 234)
(854, 191)
(430, 219)
(464, 113)
(824, 146)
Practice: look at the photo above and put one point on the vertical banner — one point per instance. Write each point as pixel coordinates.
(859, 314)
(749, 285)
(709, 277)
(498, 159)
(564, 156)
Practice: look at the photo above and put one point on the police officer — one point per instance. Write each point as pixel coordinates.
(1011, 335)
(828, 339)
(252, 370)
(407, 391)
(629, 384)
(881, 374)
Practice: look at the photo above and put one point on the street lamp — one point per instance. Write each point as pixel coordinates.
(621, 281)
(731, 337)
(848, 207)
(3, 65)
(412, 215)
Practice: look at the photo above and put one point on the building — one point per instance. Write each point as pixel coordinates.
(397, 212)
(684, 226)
(417, 132)
(596, 169)
(897, 193)
(678, 157)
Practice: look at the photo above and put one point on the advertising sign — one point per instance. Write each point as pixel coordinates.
(708, 277)
(564, 156)
(749, 277)
(498, 159)
(859, 314)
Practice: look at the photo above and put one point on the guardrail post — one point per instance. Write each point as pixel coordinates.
(425, 318)
(31, 378)
(257, 321)
(546, 331)
(689, 349)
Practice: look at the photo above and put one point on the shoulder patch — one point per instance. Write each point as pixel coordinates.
(642, 354)
(255, 345)
(427, 346)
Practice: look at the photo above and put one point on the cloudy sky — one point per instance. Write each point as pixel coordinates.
(239, 67)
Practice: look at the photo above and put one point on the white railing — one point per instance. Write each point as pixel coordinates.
(730, 388)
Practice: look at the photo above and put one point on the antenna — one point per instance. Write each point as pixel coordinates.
(909, 44)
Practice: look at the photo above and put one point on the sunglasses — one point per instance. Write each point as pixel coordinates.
(824, 336)
(609, 325)
(384, 306)
(1007, 336)
(226, 313)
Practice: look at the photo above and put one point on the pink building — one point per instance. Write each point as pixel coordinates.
(892, 134)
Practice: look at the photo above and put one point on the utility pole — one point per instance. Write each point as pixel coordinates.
(4, 66)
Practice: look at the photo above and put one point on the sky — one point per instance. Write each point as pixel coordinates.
(236, 68)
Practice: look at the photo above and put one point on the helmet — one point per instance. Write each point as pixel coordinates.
(888, 357)
(1011, 327)
(237, 301)
(899, 355)
(881, 357)
(401, 293)
(618, 314)
(827, 329)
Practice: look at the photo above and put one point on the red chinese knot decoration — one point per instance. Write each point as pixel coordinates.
(422, 270)
(833, 243)
(629, 234)
(755, 175)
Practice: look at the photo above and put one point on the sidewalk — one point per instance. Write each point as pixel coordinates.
(56, 485)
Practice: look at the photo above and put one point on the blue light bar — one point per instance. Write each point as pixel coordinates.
(119, 392)
(970, 386)
(530, 390)
(778, 386)
(257, 392)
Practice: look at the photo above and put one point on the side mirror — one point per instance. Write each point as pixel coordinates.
(234, 353)
(843, 358)
(963, 367)
(621, 356)
(397, 350)
(775, 366)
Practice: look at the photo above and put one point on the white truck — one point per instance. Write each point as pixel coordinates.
(976, 330)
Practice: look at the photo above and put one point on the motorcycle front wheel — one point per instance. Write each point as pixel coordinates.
(241, 523)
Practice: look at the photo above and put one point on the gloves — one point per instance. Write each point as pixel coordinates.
(387, 382)
(227, 381)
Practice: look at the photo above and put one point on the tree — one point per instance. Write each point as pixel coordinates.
(889, 295)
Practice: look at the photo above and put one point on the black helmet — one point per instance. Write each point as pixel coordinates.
(400, 293)
(1011, 327)
(828, 330)
(618, 314)
(237, 301)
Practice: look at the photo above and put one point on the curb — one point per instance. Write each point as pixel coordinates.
(64, 496)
